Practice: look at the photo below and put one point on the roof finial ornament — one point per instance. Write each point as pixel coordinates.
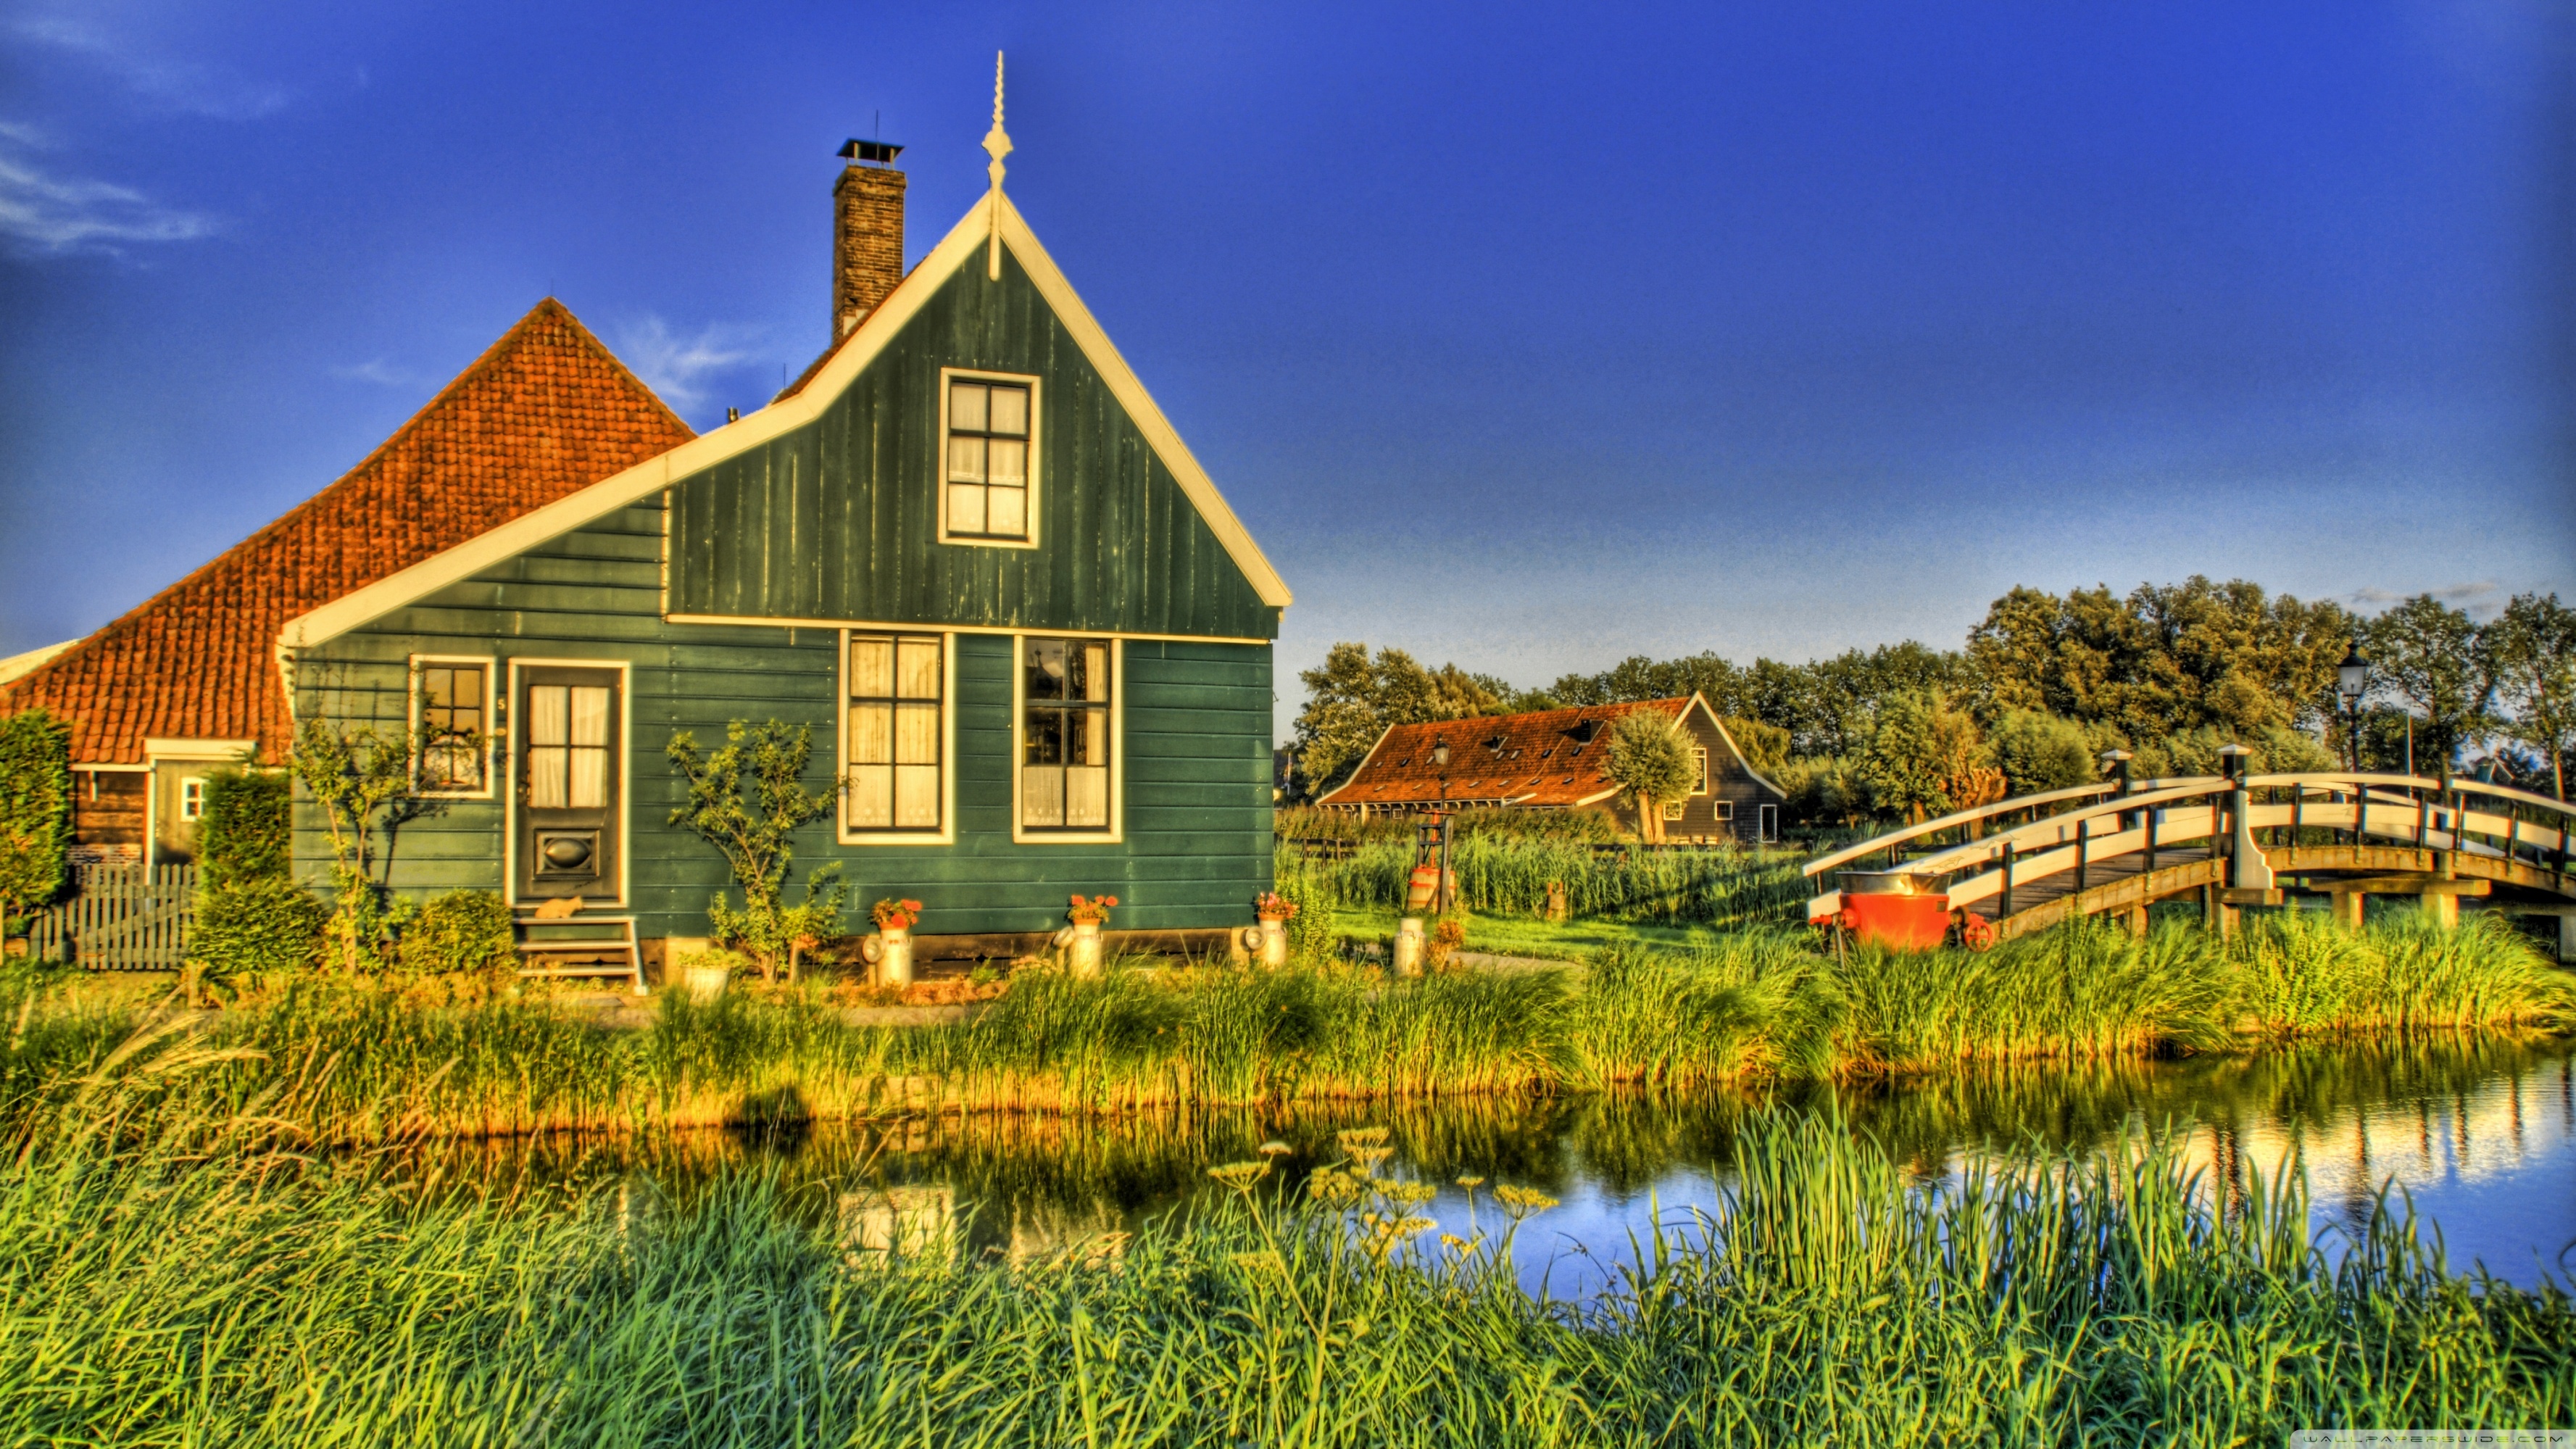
(997, 144)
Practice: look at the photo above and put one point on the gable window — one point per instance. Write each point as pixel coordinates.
(1066, 734)
(897, 741)
(452, 725)
(988, 479)
(1699, 763)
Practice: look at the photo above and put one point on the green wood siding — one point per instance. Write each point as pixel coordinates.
(1196, 738)
(839, 520)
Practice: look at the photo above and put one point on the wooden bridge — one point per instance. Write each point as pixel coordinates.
(2026, 863)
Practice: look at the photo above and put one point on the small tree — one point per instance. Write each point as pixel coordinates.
(1650, 758)
(35, 810)
(362, 780)
(2533, 647)
(2040, 751)
(1926, 758)
(755, 835)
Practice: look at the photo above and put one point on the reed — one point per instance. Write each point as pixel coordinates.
(1725, 886)
(363, 1065)
(173, 1276)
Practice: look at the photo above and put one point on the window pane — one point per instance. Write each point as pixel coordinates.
(1086, 797)
(872, 797)
(1091, 738)
(1010, 411)
(590, 715)
(966, 460)
(916, 797)
(965, 508)
(1009, 463)
(589, 778)
(547, 768)
(465, 691)
(871, 667)
(966, 406)
(871, 734)
(1009, 512)
(1094, 676)
(549, 715)
(920, 669)
(1045, 669)
(1042, 795)
(916, 740)
(436, 690)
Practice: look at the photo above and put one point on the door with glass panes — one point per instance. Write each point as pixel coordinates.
(570, 780)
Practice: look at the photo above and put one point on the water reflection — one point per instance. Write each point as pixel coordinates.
(2483, 1135)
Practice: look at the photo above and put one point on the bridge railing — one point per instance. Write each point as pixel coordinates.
(2189, 814)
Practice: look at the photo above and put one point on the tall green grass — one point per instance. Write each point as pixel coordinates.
(366, 1066)
(170, 1276)
(1724, 886)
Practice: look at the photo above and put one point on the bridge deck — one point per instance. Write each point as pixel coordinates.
(2040, 890)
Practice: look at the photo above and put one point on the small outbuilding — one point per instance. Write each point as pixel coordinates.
(1553, 759)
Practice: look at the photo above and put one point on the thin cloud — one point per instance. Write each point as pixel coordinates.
(2476, 598)
(679, 367)
(375, 370)
(187, 87)
(45, 214)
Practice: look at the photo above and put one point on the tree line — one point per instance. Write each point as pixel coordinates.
(2043, 686)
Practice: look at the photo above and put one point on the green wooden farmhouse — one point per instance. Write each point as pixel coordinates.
(1032, 641)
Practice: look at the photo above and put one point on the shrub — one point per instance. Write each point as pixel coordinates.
(35, 809)
(2040, 751)
(248, 830)
(257, 927)
(460, 933)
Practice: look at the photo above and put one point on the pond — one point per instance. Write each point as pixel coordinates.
(2481, 1135)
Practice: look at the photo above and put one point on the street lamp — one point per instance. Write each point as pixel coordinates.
(2352, 681)
(2117, 762)
(1440, 760)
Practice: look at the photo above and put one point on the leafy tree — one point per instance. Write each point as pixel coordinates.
(2532, 647)
(2430, 656)
(35, 810)
(1650, 758)
(1926, 758)
(2040, 751)
(361, 779)
(1352, 699)
(755, 835)
(1765, 746)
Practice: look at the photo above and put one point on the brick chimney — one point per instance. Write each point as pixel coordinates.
(867, 232)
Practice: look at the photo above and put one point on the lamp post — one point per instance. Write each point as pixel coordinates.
(2117, 762)
(2352, 681)
(1440, 761)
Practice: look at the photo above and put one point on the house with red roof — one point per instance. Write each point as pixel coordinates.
(1553, 759)
(190, 679)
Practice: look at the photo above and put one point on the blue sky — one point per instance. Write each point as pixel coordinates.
(1524, 337)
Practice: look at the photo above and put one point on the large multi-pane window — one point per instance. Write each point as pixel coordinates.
(453, 729)
(987, 471)
(897, 684)
(1064, 734)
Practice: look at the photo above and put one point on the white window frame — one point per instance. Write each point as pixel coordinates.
(1699, 755)
(412, 688)
(1725, 809)
(188, 815)
(939, 475)
(946, 834)
(1021, 832)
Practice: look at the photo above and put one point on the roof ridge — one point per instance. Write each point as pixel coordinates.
(484, 363)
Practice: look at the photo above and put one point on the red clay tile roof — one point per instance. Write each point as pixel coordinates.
(545, 412)
(1520, 759)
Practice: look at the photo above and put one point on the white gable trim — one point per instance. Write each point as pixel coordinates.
(1740, 757)
(645, 479)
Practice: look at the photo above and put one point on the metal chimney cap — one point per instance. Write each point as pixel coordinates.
(882, 152)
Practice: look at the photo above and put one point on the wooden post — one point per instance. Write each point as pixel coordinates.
(2567, 938)
(2083, 842)
(2348, 907)
(2135, 920)
(2003, 902)
(2443, 907)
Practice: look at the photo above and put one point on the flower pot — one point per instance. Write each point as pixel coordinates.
(1408, 946)
(889, 951)
(1082, 954)
(705, 982)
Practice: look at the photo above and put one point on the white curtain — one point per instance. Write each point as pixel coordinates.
(549, 728)
(590, 747)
